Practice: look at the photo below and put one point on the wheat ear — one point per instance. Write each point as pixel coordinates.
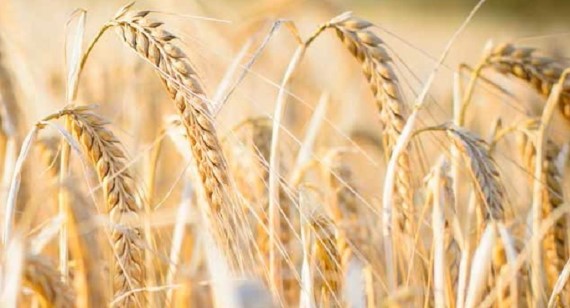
(41, 276)
(483, 170)
(156, 45)
(368, 49)
(329, 273)
(489, 188)
(109, 160)
(538, 71)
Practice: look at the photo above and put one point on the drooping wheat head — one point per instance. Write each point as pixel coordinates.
(156, 45)
(555, 242)
(483, 170)
(369, 50)
(491, 192)
(539, 71)
(109, 160)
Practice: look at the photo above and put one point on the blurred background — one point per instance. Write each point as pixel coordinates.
(213, 32)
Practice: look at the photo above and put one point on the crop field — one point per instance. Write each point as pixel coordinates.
(284, 153)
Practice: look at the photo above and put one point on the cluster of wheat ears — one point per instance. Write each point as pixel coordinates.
(248, 227)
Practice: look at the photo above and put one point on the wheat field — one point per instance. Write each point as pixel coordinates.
(290, 153)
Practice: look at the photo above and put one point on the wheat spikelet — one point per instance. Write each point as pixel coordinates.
(261, 143)
(483, 170)
(453, 257)
(289, 222)
(109, 160)
(555, 242)
(437, 200)
(249, 160)
(41, 276)
(540, 72)
(452, 249)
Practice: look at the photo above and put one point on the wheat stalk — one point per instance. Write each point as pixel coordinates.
(439, 196)
(86, 247)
